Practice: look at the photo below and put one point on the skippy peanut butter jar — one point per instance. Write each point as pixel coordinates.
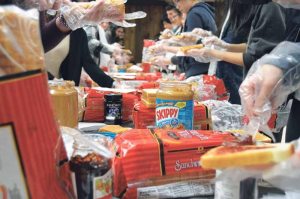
(174, 106)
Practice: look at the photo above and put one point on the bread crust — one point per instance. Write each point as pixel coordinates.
(240, 156)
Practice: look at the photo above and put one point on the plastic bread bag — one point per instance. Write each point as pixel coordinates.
(85, 170)
(227, 117)
(39, 4)
(262, 93)
(92, 13)
(21, 47)
(174, 189)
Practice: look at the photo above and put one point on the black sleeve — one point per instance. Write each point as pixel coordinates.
(268, 29)
(92, 69)
(51, 35)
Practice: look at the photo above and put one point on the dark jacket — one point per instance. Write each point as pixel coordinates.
(51, 35)
(78, 57)
(267, 30)
(201, 15)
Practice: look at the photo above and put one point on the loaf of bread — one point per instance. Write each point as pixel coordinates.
(21, 47)
(241, 156)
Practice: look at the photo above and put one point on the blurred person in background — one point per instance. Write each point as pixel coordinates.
(175, 17)
(99, 48)
(198, 15)
(116, 35)
(269, 18)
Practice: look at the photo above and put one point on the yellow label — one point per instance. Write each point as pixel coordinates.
(180, 104)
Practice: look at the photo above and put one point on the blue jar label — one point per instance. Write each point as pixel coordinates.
(175, 114)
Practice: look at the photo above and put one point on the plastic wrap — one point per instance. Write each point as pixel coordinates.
(21, 48)
(262, 93)
(225, 116)
(286, 175)
(39, 4)
(202, 33)
(92, 13)
(87, 162)
(295, 4)
(185, 39)
(215, 42)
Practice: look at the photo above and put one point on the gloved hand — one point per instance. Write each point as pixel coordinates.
(257, 90)
(157, 50)
(79, 14)
(215, 42)
(161, 61)
(200, 55)
(271, 79)
(166, 34)
(202, 33)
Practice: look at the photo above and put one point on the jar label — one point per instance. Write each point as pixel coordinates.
(114, 110)
(103, 186)
(175, 114)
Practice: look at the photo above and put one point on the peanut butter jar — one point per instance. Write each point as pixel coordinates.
(64, 98)
(174, 106)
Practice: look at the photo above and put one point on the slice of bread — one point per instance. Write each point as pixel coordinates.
(187, 48)
(113, 128)
(249, 155)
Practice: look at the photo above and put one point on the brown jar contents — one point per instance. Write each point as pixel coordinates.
(64, 98)
(88, 168)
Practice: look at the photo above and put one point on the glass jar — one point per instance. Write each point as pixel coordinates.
(91, 173)
(175, 106)
(113, 108)
(64, 98)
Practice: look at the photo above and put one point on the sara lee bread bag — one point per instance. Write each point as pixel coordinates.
(161, 156)
(28, 130)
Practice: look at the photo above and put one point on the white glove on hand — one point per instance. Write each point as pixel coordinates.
(157, 50)
(200, 55)
(79, 14)
(161, 61)
(202, 33)
(215, 42)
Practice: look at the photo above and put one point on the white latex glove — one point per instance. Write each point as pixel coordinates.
(202, 33)
(257, 89)
(157, 50)
(215, 42)
(166, 34)
(161, 61)
(200, 55)
(79, 14)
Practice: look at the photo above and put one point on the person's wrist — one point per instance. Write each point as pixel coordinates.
(62, 24)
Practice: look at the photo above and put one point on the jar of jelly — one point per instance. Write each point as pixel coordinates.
(91, 173)
(113, 108)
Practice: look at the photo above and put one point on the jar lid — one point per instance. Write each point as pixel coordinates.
(113, 97)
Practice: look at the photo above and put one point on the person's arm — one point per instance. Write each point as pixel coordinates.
(268, 30)
(237, 47)
(53, 32)
(204, 53)
(95, 46)
(92, 69)
(231, 57)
